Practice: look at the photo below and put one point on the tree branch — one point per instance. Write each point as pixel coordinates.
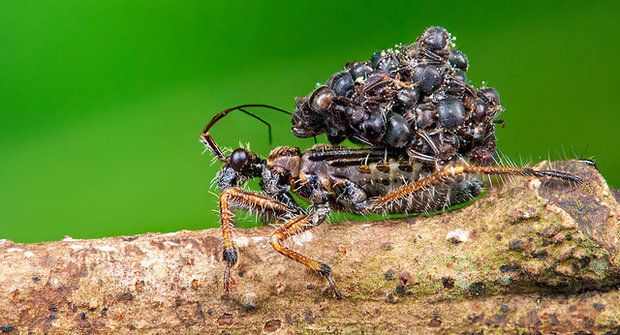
(533, 255)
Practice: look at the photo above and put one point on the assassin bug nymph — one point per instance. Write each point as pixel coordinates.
(355, 180)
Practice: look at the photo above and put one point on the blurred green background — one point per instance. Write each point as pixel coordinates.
(102, 102)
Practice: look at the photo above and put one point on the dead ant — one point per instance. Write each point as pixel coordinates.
(329, 177)
(414, 98)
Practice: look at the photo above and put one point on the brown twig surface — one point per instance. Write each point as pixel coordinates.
(531, 256)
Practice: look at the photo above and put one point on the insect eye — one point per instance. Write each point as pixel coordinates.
(238, 159)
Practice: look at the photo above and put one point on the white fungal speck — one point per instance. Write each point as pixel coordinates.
(171, 244)
(366, 225)
(170, 234)
(28, 254)
(106, 248)
(303, 238)
(14, 250)
(241, 241)
(535, 184)
(67, 238)
(457, 236)
(77, 247)
(3, 241)
(189, 246)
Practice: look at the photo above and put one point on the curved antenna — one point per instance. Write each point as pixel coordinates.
(208, 140)
(262, 121)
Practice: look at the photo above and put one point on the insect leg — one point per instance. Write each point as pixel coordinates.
(453, 171)
(350, 195)
(296, 226)
(234, 198)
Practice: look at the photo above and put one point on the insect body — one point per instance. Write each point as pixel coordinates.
(429, 136)
(363, 180)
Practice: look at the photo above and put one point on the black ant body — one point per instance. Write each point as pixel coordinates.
(413, 98)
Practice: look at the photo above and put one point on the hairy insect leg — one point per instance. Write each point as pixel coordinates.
(234, 198)
(296, 226)
(453, 171)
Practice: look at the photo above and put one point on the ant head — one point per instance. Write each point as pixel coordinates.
(238, 159)
(239, 167)
(244, 162)
(307, 121)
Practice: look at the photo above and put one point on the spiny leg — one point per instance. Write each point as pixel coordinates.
(234, 198)
(453, 171)
(296, 226)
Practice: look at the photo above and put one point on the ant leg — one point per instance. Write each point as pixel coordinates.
(234, 198)
(350, 195)
(296, 226)
(453, 171)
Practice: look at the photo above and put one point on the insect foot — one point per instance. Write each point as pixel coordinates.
(298, 225)
(326, 272)
(230, 257)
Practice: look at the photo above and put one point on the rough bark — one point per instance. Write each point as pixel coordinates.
(530, 256)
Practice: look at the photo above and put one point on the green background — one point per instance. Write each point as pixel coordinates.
(102, 102)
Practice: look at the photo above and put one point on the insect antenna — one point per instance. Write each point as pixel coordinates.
(210, 143)
(261, 120)
(430, 142)
(418, 155)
